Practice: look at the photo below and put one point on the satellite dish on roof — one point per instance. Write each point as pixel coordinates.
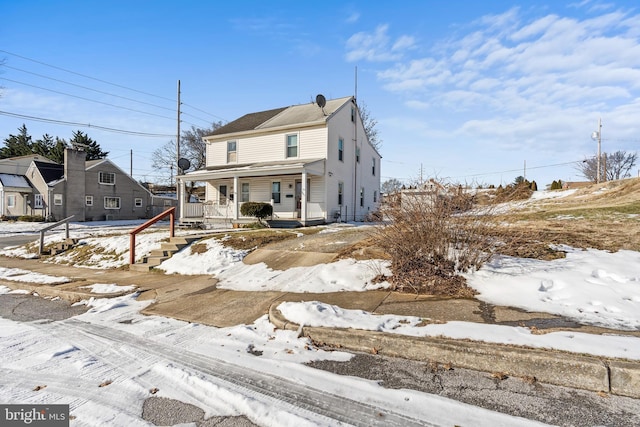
(184, 164)
(321, 100)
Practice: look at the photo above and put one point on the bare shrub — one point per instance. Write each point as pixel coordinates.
(432, 236)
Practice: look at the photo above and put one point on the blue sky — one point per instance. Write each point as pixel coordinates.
(462, 91)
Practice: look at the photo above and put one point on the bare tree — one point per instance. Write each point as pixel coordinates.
(391, 185)
(617, 166)
(369, 124)
(192, 148)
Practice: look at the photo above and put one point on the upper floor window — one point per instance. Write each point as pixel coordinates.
(341, 149)
(373, 166)
(292, 145)
(231, 152)
(353, 114)
(107, 178)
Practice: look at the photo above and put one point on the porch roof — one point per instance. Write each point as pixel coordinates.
(284, 167)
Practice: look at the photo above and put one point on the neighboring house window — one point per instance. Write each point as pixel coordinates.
(245, 192)
(275, 192)
(375, 196)
(38, 201)
(340, 191)
(231, 152)
(112, 202)
(292, 145)
(358, 154)
(11, 201)
(222, 195)
(353, 114)
(373, 166)
(361, 196)
(88, 200)
(57, 199)
(341, 149)
(137, 202)
(108, 178)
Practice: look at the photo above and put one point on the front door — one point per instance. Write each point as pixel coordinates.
(298, 197)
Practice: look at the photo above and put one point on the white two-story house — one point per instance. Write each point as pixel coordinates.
(312, 162)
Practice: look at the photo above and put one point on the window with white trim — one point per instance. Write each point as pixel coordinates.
(340, 191)
(232, 153)
(341, 149)
(57, 199)
(137, 202)
(108, 178)
(38, 201)
(292, 145)
(222, 195)
(111, 202)
(88, 200)
(361, 197)
(375, 196)
(11, 201)
(245, 193)
(357, 154)
(373, 166)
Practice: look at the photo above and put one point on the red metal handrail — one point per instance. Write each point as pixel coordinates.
(132, 234)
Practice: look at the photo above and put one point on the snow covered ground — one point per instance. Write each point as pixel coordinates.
(588, 286)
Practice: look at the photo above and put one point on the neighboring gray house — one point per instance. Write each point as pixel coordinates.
(94, 190)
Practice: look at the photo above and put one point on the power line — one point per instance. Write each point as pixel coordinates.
(86, 76)
(87, 99)
(87, 125)
(105, 82)
(88, 88)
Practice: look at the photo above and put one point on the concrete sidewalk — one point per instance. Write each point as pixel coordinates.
(196, 299)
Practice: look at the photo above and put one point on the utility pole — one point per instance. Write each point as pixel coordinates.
(131, 163)
(178, 171)
(597, 135)
(525, 170)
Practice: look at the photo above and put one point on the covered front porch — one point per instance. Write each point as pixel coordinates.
(295, 190)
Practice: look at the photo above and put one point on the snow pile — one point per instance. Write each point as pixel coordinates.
(19, 275)
(108, 288)
(215, 260)
(590, 286)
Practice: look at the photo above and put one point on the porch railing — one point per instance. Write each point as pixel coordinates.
(132, 234)
(52, 226)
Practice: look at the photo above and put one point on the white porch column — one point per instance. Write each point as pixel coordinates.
(236, 201)
(303, 198)
(181, 195)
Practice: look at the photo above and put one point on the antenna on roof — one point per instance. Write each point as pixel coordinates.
(321, 101)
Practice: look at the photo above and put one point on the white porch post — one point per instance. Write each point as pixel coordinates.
(236, 201)
(303, 198)
(181, 195)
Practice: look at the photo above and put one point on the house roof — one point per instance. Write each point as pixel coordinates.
(15, 181)
(50, 171)
(285, 116)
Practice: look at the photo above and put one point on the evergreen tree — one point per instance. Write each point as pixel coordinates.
(17, 145)
(91, 147)
(43, 146)
(57, 151)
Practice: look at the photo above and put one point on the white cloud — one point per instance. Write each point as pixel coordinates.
(352, 18)
(377, 46)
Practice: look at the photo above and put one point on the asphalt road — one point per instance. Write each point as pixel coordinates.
(522, 397)
(18, 239)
